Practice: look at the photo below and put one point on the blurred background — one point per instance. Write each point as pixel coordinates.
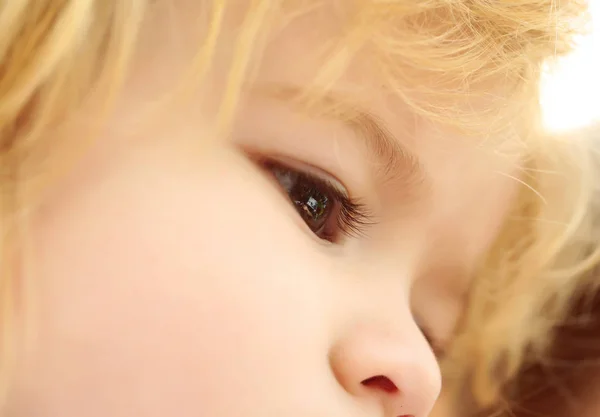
(571, 89)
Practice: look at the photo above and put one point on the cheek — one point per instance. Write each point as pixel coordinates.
(142, 279)
(485, 201)
(472, 192)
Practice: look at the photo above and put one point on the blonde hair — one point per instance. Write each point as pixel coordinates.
(439, 56)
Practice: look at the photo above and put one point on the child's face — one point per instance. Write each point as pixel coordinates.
(174, 276)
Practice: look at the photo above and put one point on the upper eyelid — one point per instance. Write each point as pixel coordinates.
(308, 169)
(396, 161)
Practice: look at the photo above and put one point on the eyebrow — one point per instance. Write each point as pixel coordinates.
(395, 159)
(395, 162)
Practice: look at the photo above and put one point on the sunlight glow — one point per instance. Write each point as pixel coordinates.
(571, 92)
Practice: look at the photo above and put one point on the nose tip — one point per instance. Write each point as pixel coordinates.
(400, 373)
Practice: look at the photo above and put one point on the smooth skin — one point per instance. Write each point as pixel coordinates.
(173, 276)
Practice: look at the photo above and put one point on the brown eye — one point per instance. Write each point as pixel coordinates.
(324, 205)
(313, 201)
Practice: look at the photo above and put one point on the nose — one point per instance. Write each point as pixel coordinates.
(397, 370)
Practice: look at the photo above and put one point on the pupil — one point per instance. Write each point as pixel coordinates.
(312, 200)
(313, 205)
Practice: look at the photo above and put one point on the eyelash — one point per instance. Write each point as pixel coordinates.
(351, 216)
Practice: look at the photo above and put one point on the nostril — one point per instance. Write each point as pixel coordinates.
(380, 382)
